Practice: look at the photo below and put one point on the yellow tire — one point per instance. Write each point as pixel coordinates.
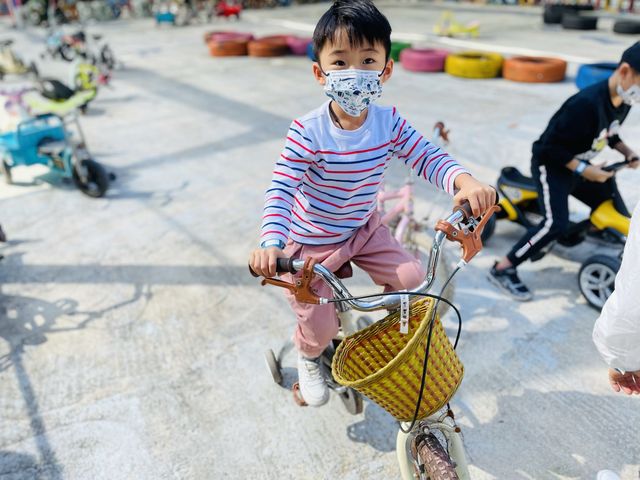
(473, 65)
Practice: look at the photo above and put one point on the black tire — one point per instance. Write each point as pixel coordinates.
(553, 14)
(434, 458)
(626, 27)
(573, 21)
(97, 176)
(596, 279)
(352, 401)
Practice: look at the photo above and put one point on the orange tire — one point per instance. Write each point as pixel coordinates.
(534, 69)
(268, 47)
(227, 48)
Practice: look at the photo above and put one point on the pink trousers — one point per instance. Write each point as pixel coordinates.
(373, 249)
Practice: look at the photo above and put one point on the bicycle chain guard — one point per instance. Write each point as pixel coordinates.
(301, 289)
(469, 240)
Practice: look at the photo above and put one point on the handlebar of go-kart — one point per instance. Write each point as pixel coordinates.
(614, 167)
(459, 227)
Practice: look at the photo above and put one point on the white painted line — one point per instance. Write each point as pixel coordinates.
(453, 42)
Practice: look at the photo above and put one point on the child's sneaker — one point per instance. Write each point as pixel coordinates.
(313, 385)
(509, 282)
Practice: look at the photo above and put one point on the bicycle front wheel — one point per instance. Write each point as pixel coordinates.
(434, 459)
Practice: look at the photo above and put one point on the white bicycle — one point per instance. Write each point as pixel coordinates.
(431, 448)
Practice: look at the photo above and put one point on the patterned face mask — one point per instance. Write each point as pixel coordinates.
(354, 90)
(631, 95)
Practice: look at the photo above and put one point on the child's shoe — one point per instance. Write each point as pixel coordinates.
(313, 385)
(509, 282)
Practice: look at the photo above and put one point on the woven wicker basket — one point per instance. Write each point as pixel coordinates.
(386, 365)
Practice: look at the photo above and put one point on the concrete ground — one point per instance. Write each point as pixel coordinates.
(132, 335)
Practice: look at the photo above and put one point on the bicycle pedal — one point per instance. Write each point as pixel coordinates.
(297, 397)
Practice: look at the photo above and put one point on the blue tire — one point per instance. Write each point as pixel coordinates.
(593, 73)
(310, 53)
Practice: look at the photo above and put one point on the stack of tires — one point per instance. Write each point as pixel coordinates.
(227, 44)
(534, 69)
(570, 16)
(423, 59)
(627, 27)
(474, 64)
(484, 65)
(271, 46)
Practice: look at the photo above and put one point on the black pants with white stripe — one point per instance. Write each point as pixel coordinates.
(555, 184)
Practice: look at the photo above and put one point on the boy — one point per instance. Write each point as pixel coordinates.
(561, 166)
(322, 199)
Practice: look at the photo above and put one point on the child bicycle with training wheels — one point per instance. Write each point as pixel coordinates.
(384, 360)
(322, 199)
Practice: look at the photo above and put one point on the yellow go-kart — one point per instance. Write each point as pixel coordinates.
(607, 226)
(447, 26)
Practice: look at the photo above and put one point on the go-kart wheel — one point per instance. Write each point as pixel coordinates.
(97, 179)
(274, 366)
(597, 279)
(489, 229)
(352, 401)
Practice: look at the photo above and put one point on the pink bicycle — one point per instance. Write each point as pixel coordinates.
(400, 218)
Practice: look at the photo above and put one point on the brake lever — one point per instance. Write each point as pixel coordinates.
(301, 289)
(469, 239)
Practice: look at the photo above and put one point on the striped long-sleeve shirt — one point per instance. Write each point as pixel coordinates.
(326, 180)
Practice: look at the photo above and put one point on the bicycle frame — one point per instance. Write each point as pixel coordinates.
(403, 208)
(468, 235)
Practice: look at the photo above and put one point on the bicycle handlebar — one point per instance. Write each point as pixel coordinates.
(614, 167)
(468, 236)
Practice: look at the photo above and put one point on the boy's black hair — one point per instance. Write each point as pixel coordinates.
(632, 56)
(360, 19)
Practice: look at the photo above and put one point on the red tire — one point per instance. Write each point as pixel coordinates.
(268, 47)
(221, 36)
(534, 69)
(298, 45)
(423, 60)
(227, 48)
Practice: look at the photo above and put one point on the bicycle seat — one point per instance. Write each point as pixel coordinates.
(512, 177)
(54, 89)
(6, 43)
